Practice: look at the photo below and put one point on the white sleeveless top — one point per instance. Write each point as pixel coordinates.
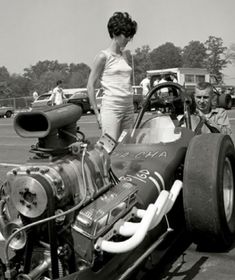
(115, 81)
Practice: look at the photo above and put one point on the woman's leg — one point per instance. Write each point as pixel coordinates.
(110, 122)
(127, 119)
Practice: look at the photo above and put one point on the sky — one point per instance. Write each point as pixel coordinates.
(74, 31)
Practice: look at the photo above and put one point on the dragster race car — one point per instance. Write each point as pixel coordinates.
(76, 210)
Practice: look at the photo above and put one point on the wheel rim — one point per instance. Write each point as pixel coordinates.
(228, 189)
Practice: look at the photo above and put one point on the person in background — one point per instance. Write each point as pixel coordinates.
(173, 78)
(58, 96)
(156, 81)
(35, 95)
(205, 101)
(145, 84)
(164, 92)
(111, 68)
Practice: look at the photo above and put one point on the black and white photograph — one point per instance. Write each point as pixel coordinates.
(117, 140)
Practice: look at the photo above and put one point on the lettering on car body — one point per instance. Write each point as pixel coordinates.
(143, 176)
(141, 155)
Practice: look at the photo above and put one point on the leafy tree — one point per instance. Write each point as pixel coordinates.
(166, 56)
(4, 74)
(19, 85)
(78, 75)
(216, 57)
(231, 53)
(44, 74)
(5, 89)
(194, 55)
(46, 81)
(142, 62)
(35, 71)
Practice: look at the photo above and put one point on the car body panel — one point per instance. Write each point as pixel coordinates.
(136, 156)
(43, 100)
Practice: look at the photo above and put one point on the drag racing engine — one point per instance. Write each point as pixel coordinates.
(56, 206)
(64, 212)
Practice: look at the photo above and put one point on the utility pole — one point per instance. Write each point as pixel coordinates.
(133, 69)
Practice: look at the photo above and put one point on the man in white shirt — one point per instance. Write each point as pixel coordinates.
(58, 94)
(205, 101)
(156, 82)
(164, 92)
(35, 95)
(145, 84)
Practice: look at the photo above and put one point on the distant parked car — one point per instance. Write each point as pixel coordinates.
(6, 111)
(80, 97)
(226, 96)
(45, 99)
(137, 97)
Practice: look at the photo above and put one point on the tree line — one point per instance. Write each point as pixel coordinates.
(42, 76)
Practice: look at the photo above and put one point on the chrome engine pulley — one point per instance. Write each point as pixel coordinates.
(29, 196)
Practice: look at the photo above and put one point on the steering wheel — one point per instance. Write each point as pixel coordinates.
(161, 102)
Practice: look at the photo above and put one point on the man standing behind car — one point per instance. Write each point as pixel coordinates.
(58, 96)
(145, 84)
(205, 101)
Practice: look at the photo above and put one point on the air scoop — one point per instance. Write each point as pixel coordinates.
(49, 125)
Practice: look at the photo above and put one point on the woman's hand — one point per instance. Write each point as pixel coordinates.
(98, 118)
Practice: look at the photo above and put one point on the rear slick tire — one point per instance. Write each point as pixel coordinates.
(208, 191)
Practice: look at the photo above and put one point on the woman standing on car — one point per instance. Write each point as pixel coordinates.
(111, 67)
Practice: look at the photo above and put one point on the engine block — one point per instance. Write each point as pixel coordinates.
(96, 219)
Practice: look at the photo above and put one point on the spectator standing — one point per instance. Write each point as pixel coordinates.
(35, 95)
(173, 78)
(111, 68)
(164, 92)
(205, 100)
(58, 96)
(156, 82)
(145, 84)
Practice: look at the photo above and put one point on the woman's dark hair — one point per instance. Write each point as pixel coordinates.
(121, 23)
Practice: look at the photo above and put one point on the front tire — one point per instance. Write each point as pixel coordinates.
(208, 192)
